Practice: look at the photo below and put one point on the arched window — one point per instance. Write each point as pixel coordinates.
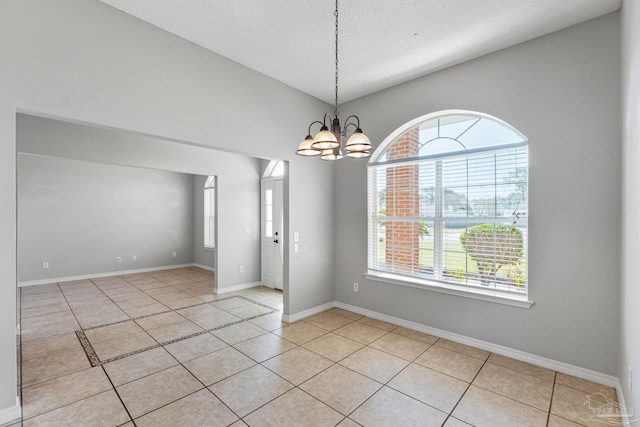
(447, 197)
(274, 169)
(209, 212)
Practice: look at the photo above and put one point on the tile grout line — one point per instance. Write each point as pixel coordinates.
(366, 345)
(514, 400)
(140, 290)
(548, 413)
(413, 361)
(553, 390)
(76, 401)
(152, 314)
(385, 384)
(95, 360)
(79, 335)
(464, 354)
(294, 385)
(298, 385)
(334, 364)
(177, 363)
(485, 361)
(88, 357)
(22, 385)
(467, 389)
(169, 310)
(118, 394)
(71, 308)
(243, 370)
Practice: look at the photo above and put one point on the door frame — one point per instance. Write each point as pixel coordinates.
(282, 241)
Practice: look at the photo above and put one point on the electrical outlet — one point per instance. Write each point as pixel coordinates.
(174, 254)
(45, 265)
(355, 287)
(241, 269)
(134, 257)
(118, 259)
(629, 379)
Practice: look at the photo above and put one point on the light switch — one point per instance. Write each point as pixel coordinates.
(296, 237)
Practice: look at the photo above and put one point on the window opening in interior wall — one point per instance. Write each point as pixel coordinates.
(209, 212)
(448, 204)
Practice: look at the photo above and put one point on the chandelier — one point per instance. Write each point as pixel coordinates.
(328, 143)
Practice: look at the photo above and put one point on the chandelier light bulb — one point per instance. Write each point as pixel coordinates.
(305, 149)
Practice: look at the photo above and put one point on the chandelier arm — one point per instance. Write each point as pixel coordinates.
(324, 119)
(357, 119)
(346, 126)
(312, 123)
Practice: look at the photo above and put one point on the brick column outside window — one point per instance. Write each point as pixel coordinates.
(403, 200)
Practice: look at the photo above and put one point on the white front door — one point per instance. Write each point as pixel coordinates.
(279, 226)
(272, 224)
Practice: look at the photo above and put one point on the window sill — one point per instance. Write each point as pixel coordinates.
(479, 294)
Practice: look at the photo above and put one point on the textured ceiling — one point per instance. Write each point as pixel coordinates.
(382, 43)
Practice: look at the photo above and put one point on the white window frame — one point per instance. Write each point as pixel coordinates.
(435, 283)
(274, 169)
(209, 213)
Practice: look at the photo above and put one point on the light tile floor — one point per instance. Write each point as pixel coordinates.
(159, 349)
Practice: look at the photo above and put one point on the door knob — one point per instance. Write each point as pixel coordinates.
(275, 241)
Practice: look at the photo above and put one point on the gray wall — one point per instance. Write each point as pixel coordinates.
(201, 255)
(630, 295)
(561, 91)
(238, 180)
(82, 60)
(80, 216)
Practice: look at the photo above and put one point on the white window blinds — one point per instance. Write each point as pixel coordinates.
(458, 218)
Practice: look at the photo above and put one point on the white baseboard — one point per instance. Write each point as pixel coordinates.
(204, 267)
(236, 287)
(626, 422)
(544, 362)
(290, 318)
(10, 415)
(99, 275)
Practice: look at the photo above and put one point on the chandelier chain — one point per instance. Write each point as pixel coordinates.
(327, 143)
(336, 14)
